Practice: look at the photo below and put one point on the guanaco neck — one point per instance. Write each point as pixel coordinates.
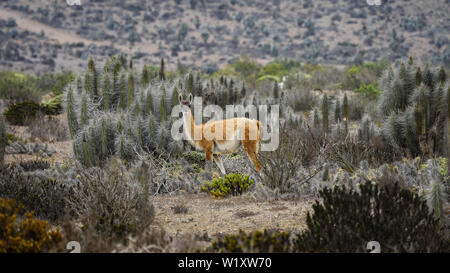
(188, 119)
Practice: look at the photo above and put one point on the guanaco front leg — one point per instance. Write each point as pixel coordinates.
(209, 156)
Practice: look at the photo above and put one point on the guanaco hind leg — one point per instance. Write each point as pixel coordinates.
(209, 156)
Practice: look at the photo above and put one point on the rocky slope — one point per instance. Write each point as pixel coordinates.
(41, 36)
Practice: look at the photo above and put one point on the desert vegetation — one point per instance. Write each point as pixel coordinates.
(367, 145)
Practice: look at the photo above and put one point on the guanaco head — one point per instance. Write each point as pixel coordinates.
(187, 102)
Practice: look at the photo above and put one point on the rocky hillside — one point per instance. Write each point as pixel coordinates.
(50, 35)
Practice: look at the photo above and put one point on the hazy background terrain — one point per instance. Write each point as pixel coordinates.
(50, 36)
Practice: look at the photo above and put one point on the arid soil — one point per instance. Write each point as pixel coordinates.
(226, 216)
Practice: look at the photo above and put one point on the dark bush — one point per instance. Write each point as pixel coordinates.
(43, 196)
(346, 220)
(21, 113)
(17, 87)
(33, 165)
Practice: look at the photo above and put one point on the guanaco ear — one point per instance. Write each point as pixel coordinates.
(180, 98)
(191, 98)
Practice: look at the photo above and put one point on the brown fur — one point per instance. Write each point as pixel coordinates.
(215, 147)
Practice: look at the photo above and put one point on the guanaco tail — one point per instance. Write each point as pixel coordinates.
(235, 132)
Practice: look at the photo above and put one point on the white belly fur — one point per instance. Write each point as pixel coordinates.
(228, 146)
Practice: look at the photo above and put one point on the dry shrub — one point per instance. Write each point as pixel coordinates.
(45, 196)
(299, 147)
(110, 203)
(349, 152)
(48, 129)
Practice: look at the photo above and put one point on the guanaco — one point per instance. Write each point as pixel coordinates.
(240, 131)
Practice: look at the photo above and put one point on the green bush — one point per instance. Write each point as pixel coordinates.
(369, 91)
(367, 73)
(256, 241)
(18, 87)
(21, 113)
(233, 184)
(54, 83)
(346, 220)
(53, 106)
(33, 165)
(194, 157)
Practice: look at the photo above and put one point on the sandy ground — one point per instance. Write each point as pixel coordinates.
(226, 216)
(63, 154)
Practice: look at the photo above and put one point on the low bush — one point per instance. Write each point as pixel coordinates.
(347, 219)
(33, 165)
(299, 147)
(194, 157)
(48, 129)
(22, 113)
(233, 184)
(110, 203)
(45, 196)
(17, 87)
(349, 153)
(369, 91)
(24, 235)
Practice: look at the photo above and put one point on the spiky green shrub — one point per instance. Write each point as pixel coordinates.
(122, 117)
(435, 199)
(232, 184)
(338, 131)
(33, 165)
(345, 113)
(337, 111)
(325, 113)
(367, 129)
(43, 195)
(412, 104)
(256, 241)
(72, 120)
(346, 220)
